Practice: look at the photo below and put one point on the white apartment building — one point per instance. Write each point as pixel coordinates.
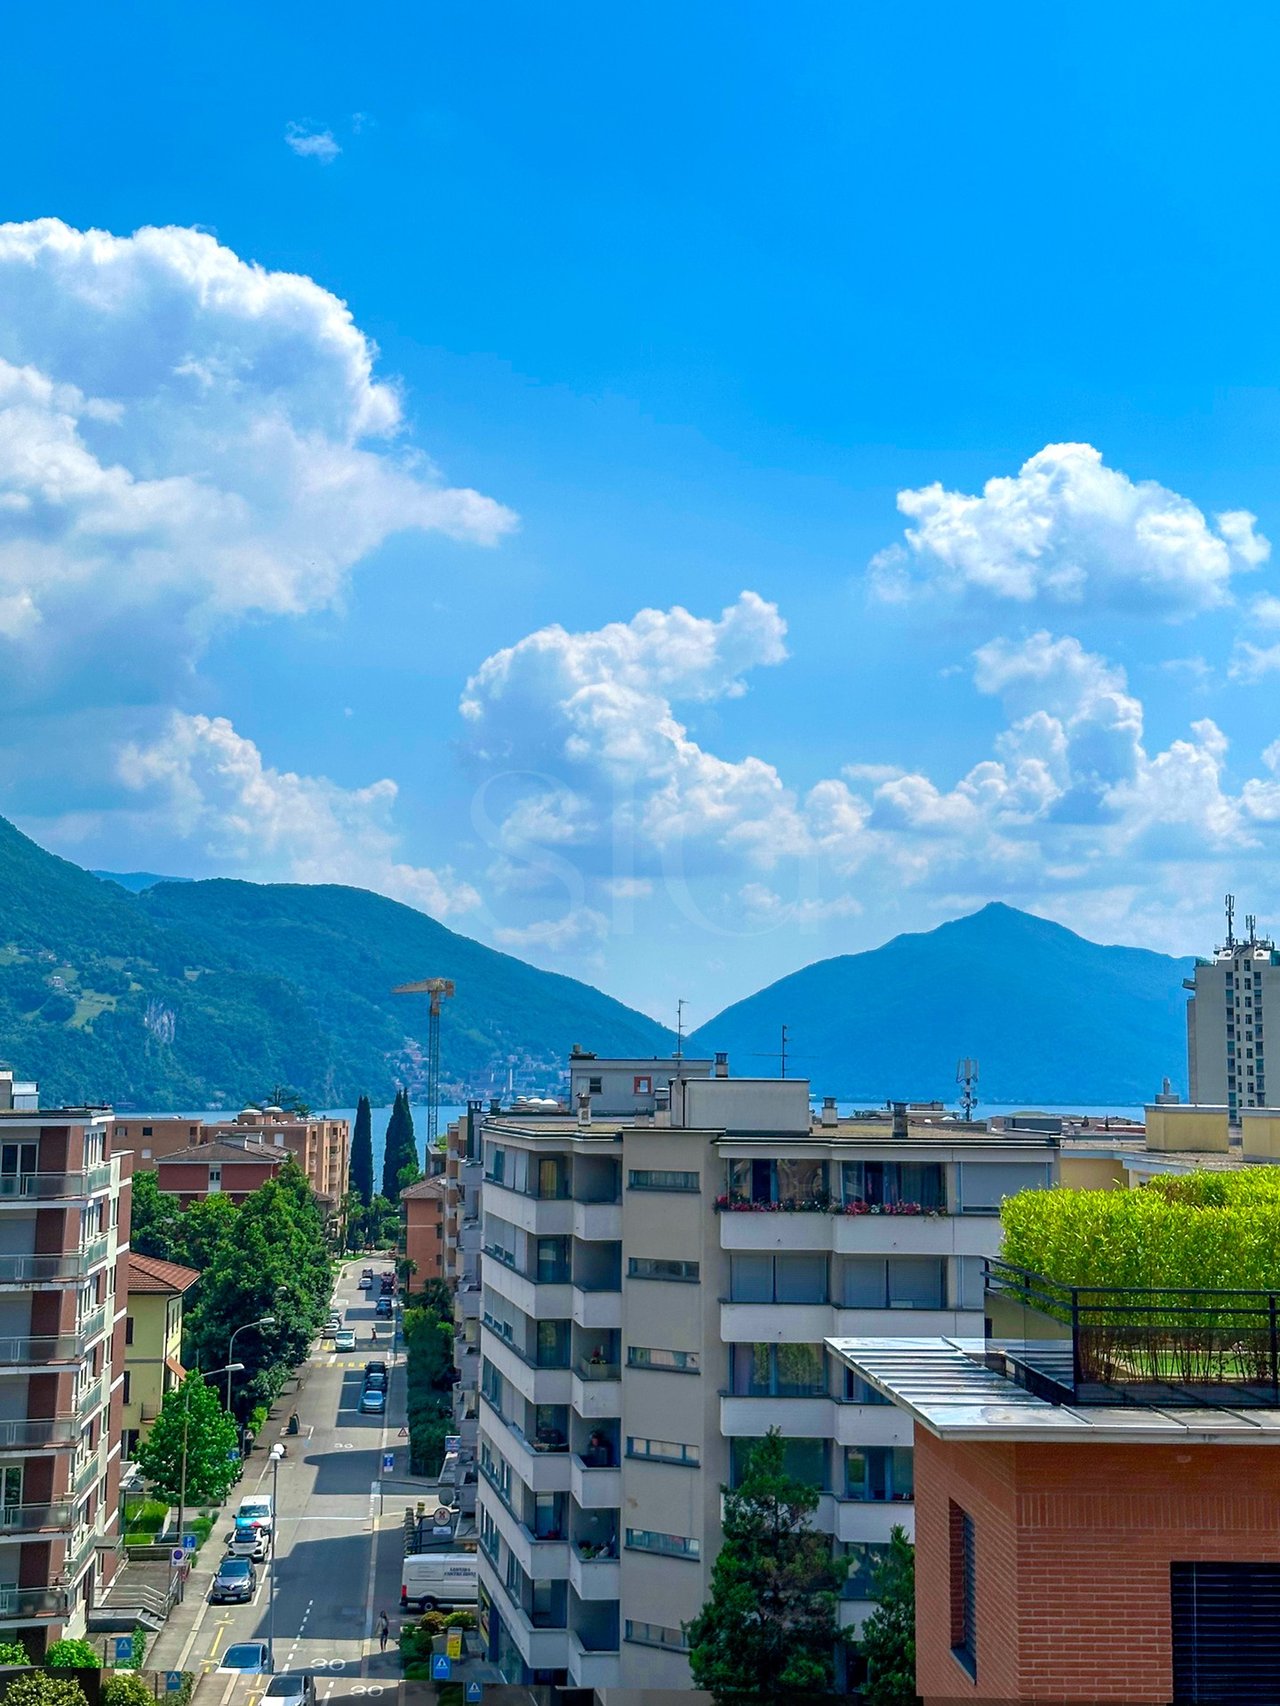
(656, 1293)
(1235, 1002)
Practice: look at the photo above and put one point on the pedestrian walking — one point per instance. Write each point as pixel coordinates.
(384, 1630)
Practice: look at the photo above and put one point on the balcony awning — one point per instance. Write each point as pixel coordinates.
(175, 1368)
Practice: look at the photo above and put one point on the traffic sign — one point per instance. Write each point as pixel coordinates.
(388, 1461)
(173, 1682)
(475, 1691)
(178, 1555)
(188, 1543)
(404, 1433)
(441, 1667)
(453, 1442)
(124, 1647)
(453, 1643)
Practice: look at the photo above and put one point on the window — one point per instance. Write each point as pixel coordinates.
(147, 1131)
(672, 1545)
(128, 1329)
(663, 1451)
(146, 1155)
(885, 1184)
(864, 1558)
(777, 1371)
(656, 1635)
(642, 1085)
(215, 1178)
(661, 1179)
(879, 1474)
(964, 1640)
(798, 1278)
(1226, 1630)
(660, 1268)
(672, 1362)
(595, 1086)
(784, 1181)
(553, 1344)
(857, 1391)
(128, 1382)
(893, 1282)
(985, 1184)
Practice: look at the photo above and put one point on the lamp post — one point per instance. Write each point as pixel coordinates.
(186, 1419)
(277, 1452)
(262, 1321)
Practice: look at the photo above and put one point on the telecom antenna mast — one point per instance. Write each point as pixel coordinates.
(439, 989)
(967, 1079)
(1231, 921)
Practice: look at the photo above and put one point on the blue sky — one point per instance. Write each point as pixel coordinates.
(684, 298)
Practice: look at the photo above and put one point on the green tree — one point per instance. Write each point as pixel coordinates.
(194, 1409)
(202, 1229)
(41, 1689)
(769, 1627)
(13, 1653)
(362, 1152)
(126, 1688)
(399, 1142)
(408, 1175)
(889, 1634)
(72, 1654)
(155, 1225)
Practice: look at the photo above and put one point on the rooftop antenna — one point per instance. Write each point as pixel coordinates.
(782, 1055)
(1231, 922)
(967, 1079)
(681, 1004)
(1251, 925)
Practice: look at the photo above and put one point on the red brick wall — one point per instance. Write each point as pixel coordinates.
(423, 1241)
(1074, 1544)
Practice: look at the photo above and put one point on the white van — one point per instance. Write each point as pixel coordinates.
(429, 1579)
(256, 1510)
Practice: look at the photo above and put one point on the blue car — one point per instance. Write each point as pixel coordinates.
(373, 1400)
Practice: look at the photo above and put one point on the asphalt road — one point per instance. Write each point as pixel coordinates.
(338, 1551)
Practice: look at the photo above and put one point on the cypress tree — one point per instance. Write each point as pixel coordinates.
(391, 1154)
(362, 1153)
(410, 1156)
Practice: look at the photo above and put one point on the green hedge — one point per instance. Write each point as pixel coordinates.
(146, 1516)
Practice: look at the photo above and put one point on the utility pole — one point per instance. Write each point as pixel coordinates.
(277, 1452)
(187, 1389)
(438, 988)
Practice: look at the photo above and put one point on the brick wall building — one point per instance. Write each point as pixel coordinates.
(422, 1212)
(234, 1168)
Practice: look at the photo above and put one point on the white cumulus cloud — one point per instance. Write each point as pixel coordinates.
(312, 143)
(203, 783)
(1064, 530)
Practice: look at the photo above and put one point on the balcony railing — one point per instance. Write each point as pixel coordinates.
(91, 1397)
(40, 1270)
(586, 1370)
(33, 1602)
(31, 1519)
(34, 1434)
(1122, 1344)
(38, 1349)
(820, 1204)
(49, 1187)
(91, 1325)
(89, 1471)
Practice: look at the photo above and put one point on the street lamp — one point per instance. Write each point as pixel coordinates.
(186, 1418)
(262, 1321)
(277, 1452)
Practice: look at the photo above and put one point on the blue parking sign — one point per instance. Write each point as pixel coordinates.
(475, 1691)
(441, 1668)
(188, 1543)
(173, 1682)
(388, 1461)
(124, 1647)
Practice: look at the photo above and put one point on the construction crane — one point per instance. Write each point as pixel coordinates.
(439, 989)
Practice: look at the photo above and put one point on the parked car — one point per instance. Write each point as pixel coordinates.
(366, 1282)
(344, 1339)
(332, 1325)
(256, 1511)
(373, 1400)
(375, 1367)
(235, 1582)
(295, 1688)
(384, 1309)
(366, 1273)
(246, 1658)
(375, 1380)
(387, 1282)
(247, 1541)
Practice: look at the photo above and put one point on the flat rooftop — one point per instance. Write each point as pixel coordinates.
(946, 1386)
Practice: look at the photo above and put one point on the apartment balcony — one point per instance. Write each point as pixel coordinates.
(598, 1221)
(594, 1578)
(913, 1323)
(593, 1306)
(40, 1351)
(590, 1668)
(542, 1471)
(47, 1434)
(595, 1488)
(541, 1559)
(541, 1649)
(90, 1471)
(596, 1389)
(538, 1385)
(905, 1234)
(36, 1519)
(92, 1398)
(776, 1323)
(864, 1519)
(872, 1424)
(22, 1189)
(466, 1302)
(540, 1300)
(796, 1418)
(545, 1216)
(43, 1272)
(92, 1326)
(33, 1605)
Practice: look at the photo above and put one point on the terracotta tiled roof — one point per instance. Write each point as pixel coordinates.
(146, 1273)
(258, 1152)
(425, 1187)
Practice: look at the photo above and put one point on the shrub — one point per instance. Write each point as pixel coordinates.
(38, 1688)
(70, 1654)
(13, 1653)
(146, 1516)
(460, 1620)
(257, 1419)
(126, 1688)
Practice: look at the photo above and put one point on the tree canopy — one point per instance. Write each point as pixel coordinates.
(362, 1152)
(889, 1633)
(401, 1148)
(192, 1409)
(40, 1689)
(769, 1626)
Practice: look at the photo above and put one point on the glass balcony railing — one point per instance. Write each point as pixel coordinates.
(40, 1270)
(91, 1397)
(28, 1603)
(34, 1434)
(91, 1325)
(30, 1519)
(39, 1349)
(49, 1187)
(88, 1472)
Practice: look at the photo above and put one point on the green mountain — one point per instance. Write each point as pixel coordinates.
(136, 881)
(1050, 1016)
(202, 994)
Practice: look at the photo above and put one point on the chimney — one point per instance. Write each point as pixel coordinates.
(662, 1104)
(584, 1108)
(829, 1114)
(722, 1066)
(495, 1105)
(899, 1119)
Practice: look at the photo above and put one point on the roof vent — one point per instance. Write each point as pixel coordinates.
(722, 1066)
(829, 1114)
